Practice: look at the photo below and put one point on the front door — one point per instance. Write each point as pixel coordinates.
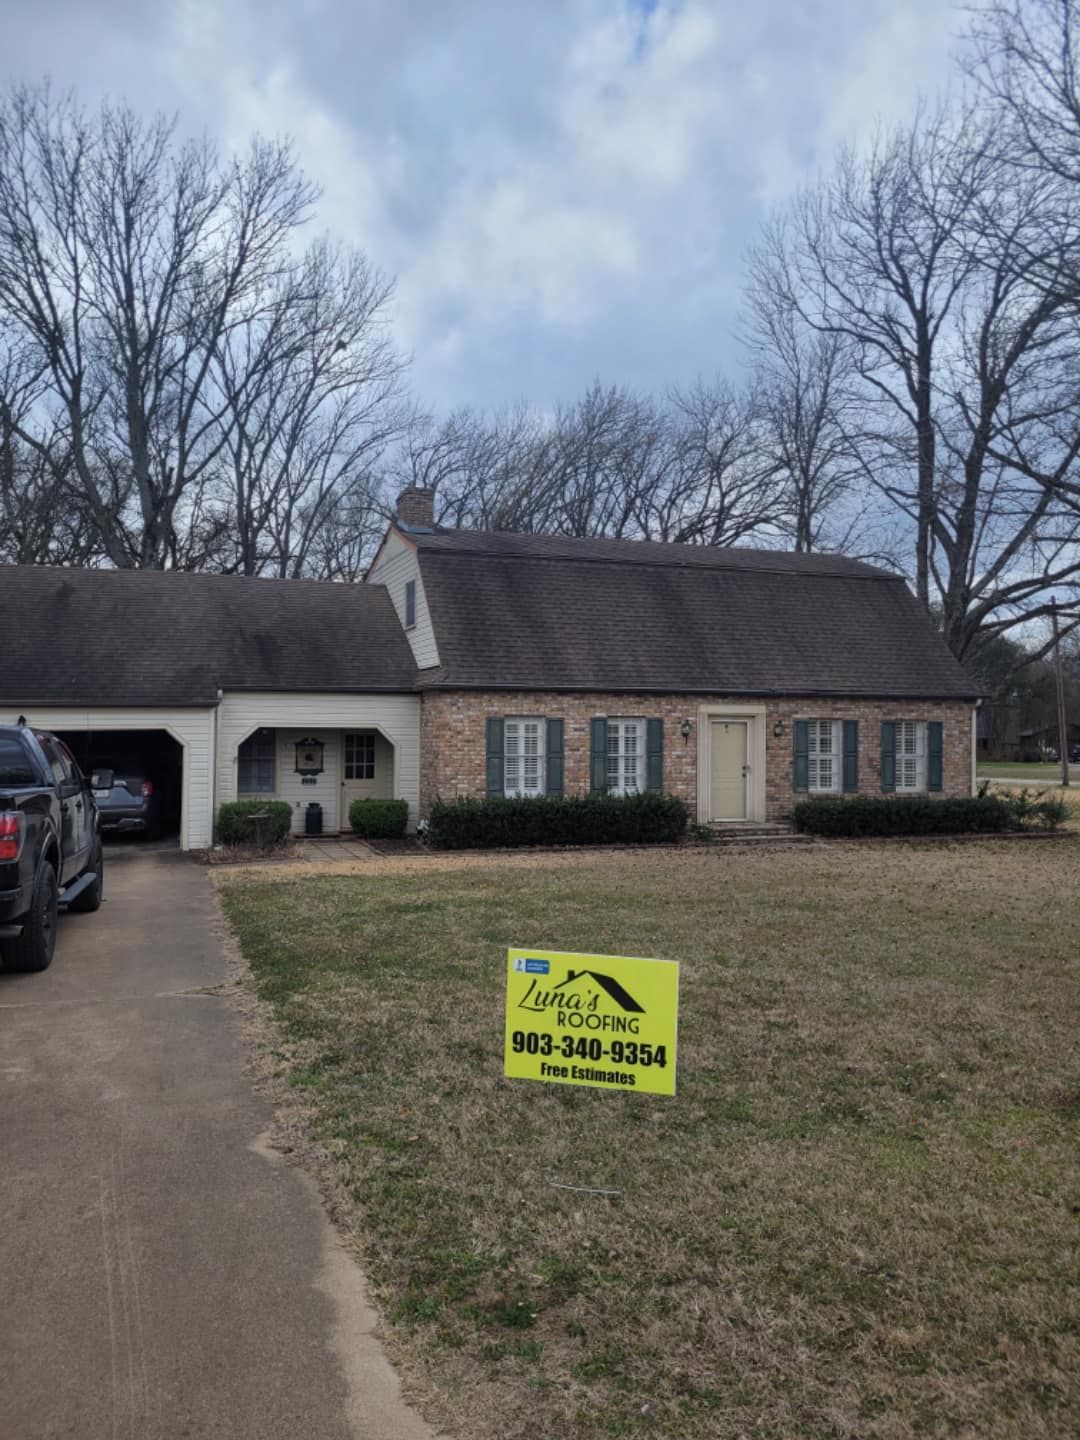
(728, 769)
(359, 777)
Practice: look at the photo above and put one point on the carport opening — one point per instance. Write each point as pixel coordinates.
(150, 756)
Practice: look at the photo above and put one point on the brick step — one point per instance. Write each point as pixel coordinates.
(758, 835)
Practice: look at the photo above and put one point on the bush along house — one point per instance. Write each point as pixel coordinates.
(474, 663)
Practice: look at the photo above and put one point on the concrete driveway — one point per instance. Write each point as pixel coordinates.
(163, 1272)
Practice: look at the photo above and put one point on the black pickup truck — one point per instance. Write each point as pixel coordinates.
(50, 846)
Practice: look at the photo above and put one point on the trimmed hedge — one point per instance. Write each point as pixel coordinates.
(646, 819)
(236, 827)
(903, 815)
(378, 819)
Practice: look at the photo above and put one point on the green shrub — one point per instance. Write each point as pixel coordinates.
(236, 827)
(557, 820)
(1034, 810)
(903, 815)
(378, 819)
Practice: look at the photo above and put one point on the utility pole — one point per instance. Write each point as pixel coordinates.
(1063, 725)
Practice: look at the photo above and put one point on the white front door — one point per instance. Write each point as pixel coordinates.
(728, 769)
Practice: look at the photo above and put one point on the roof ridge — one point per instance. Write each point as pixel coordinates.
(142, 571)
(868, 571)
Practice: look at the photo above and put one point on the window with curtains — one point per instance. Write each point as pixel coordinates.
(910, 755)
(625, 756)
(255, 764)
(824, 762)
(523, 756)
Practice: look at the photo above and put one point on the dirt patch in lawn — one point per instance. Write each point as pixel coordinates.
(858, 1218)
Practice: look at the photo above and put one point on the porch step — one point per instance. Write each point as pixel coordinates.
(759, 835)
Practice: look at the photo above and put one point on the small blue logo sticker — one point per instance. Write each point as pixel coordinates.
(531, 967)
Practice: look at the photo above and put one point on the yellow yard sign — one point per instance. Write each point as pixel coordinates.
(610, 1021)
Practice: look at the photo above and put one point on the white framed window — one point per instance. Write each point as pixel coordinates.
(625, 756)
(256, 764)
(910, 755)
(524, 756)
(360, 756)
(824, 758)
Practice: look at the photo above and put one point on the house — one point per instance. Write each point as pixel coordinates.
(472, 663)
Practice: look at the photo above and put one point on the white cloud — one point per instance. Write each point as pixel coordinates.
(562, 189)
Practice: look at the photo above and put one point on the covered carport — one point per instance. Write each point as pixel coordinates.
(177, 746)
(155, 756)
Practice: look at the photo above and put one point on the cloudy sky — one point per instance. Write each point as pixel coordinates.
(564, 189)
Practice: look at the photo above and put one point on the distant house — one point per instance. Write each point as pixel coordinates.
(476, 663)
(1038, 742)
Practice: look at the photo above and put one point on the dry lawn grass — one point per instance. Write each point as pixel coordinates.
(859, 1217)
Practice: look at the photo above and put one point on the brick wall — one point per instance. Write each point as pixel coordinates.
(453, 739)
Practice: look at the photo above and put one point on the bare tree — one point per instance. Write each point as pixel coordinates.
(874, 257)
(808, 410)
(126, 260)
(309, 400)
(952, 278)
(40, 520)
(1026, 53)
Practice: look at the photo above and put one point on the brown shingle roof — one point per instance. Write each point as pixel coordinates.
(544, 612)
(151, 637)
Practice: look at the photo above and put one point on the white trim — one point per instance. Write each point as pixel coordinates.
(640, 730)
(919, 755)
(835, 756)
(521, 791)
(755, 716)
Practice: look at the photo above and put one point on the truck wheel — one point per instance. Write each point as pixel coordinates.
(33, 950)
(89, 900)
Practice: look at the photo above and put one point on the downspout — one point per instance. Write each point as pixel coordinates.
(213, 768)
(974, 745)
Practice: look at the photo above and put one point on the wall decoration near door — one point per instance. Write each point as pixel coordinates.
(309, 757)
(729, 769)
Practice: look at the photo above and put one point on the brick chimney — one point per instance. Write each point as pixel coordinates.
(416, 508)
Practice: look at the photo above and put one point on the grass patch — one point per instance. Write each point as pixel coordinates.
(1029, 769)
(859, 1217)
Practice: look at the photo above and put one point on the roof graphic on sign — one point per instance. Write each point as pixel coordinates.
(611, 988)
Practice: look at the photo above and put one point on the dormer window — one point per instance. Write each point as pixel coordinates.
(410, 604)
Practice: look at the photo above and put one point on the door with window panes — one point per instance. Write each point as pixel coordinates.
(360, 778)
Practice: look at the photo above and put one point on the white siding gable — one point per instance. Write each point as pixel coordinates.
(395, 565)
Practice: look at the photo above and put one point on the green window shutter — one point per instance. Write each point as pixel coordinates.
(934, 747)
(654, 755)
(888, 755)
(802, 755)
(851, 756)
(554, 754)
(598, 754)
(496, 756)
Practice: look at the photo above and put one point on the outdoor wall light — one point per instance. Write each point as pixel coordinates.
(684, 729)
(778, 729)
